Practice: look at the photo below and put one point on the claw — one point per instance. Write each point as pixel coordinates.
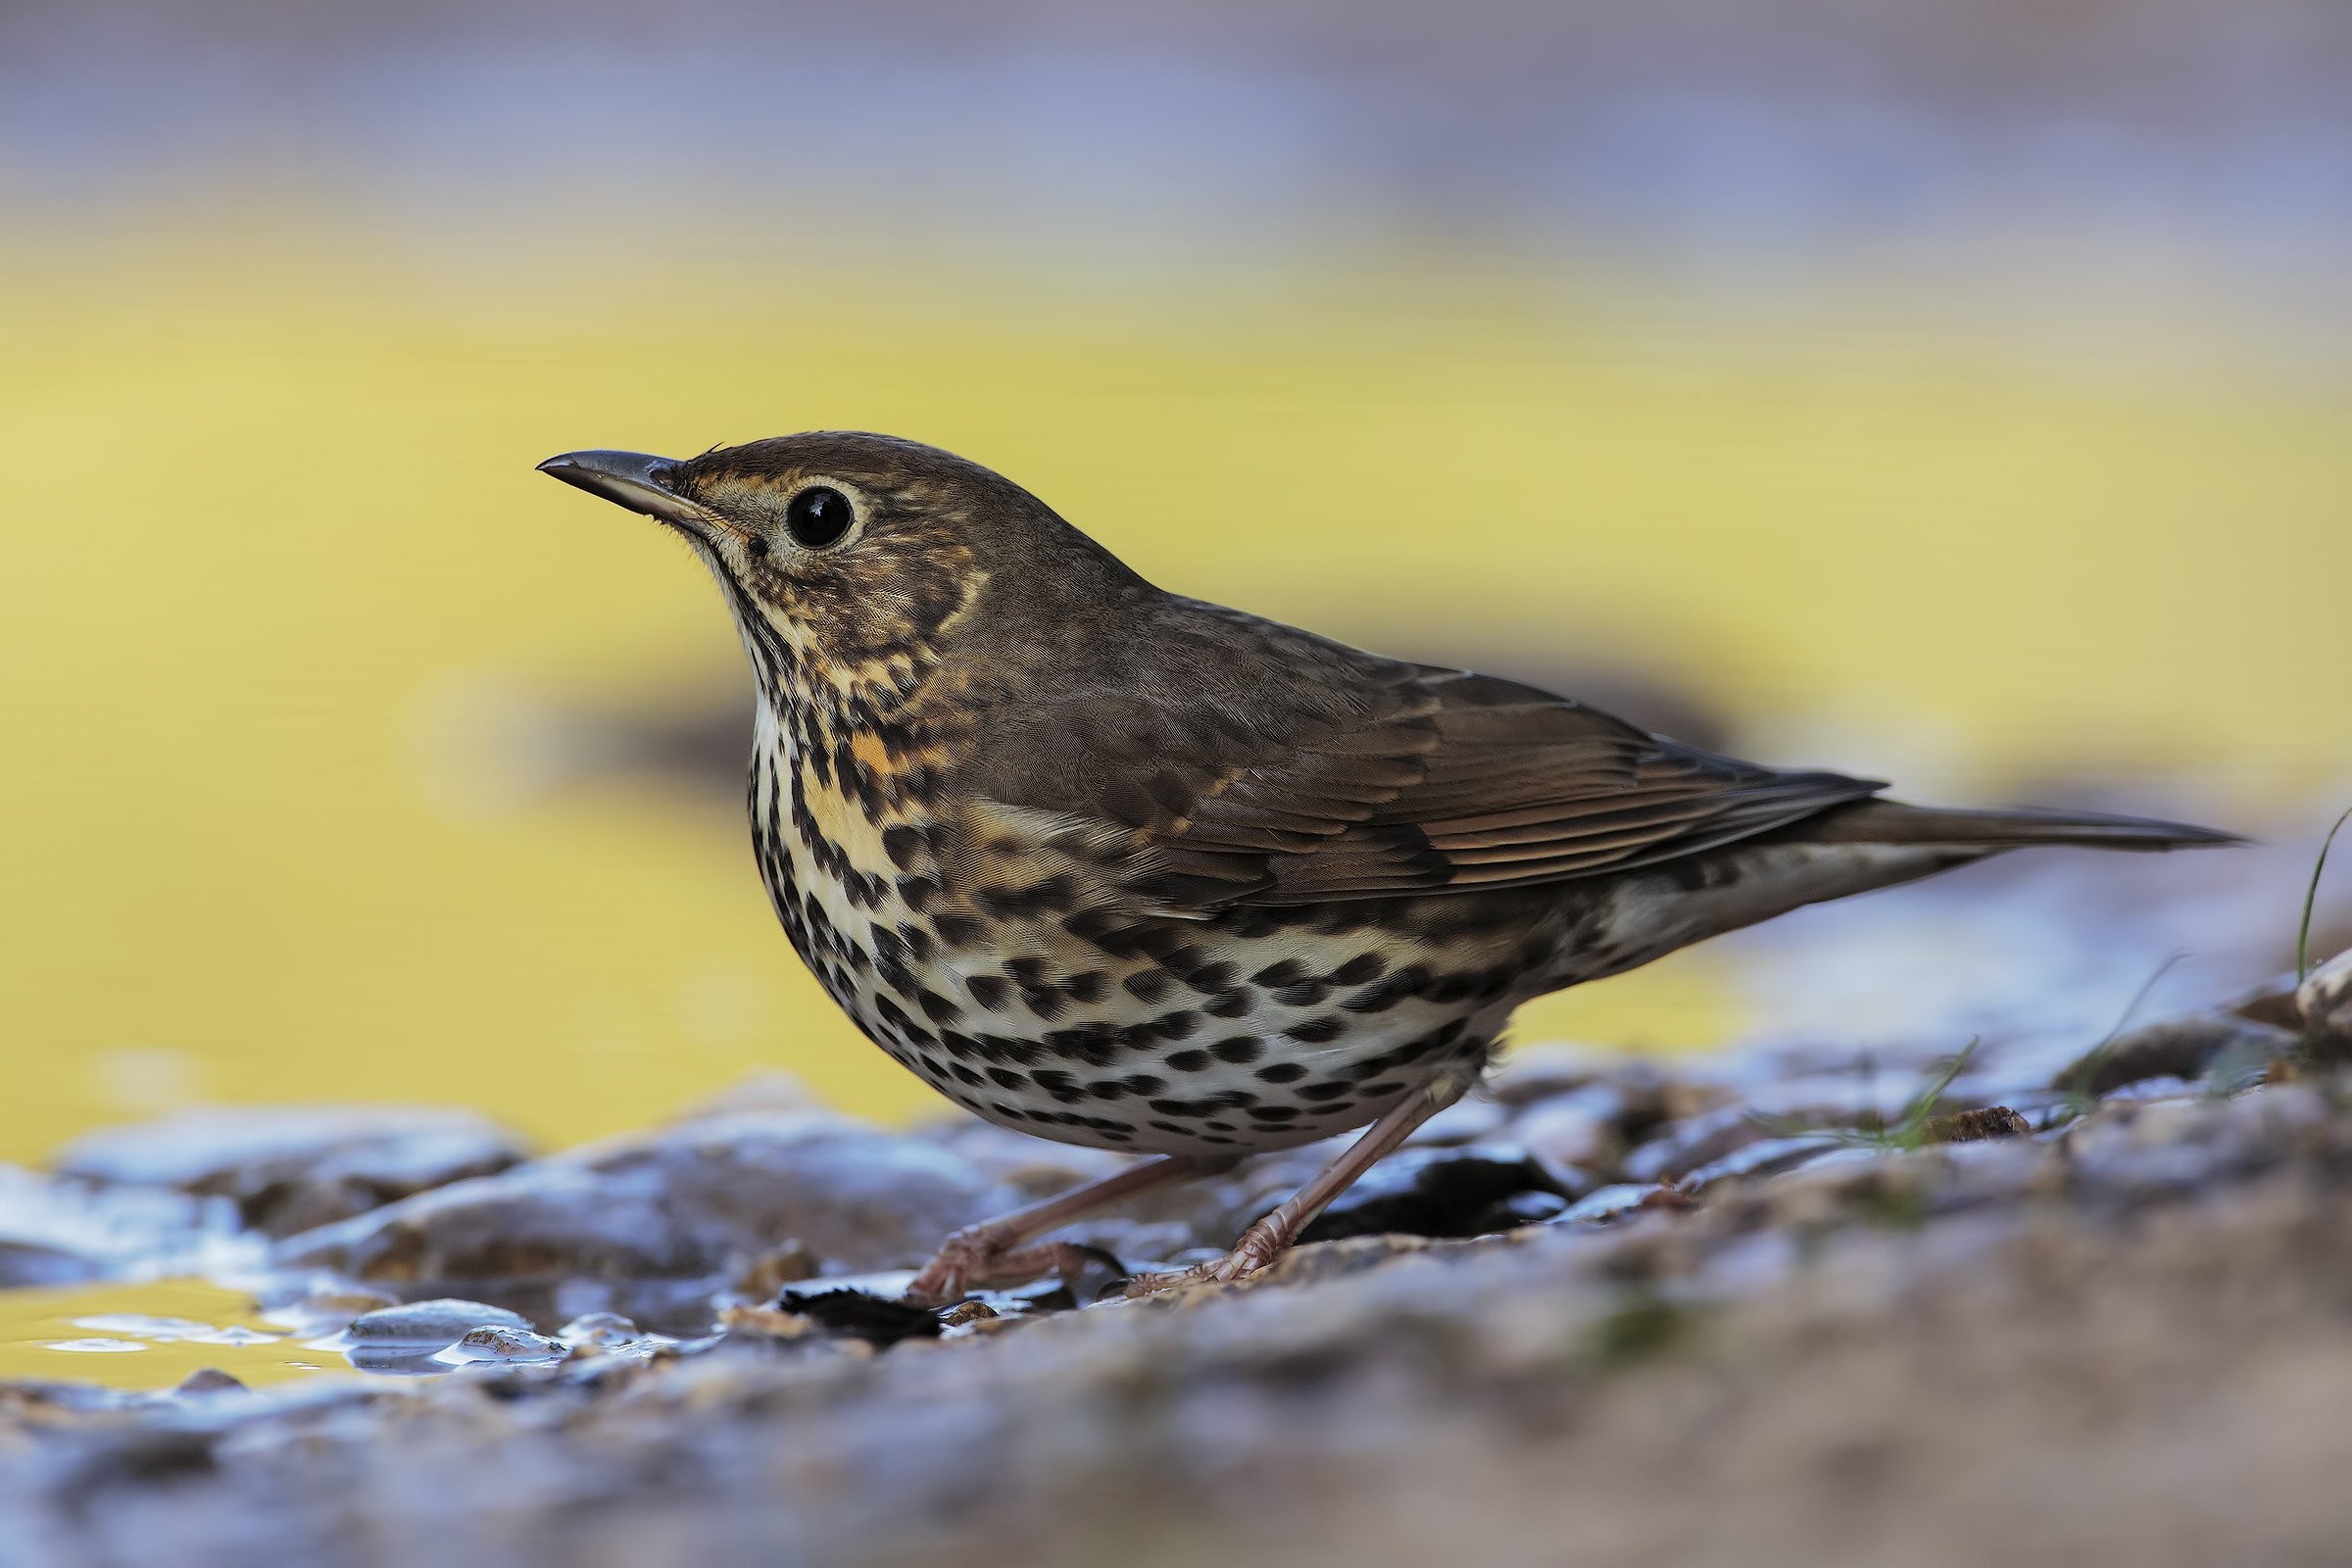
(979, 1259)
(1259, 1245)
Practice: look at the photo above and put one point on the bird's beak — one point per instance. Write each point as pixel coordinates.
(632, 480)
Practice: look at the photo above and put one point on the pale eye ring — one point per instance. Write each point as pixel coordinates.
(818, 516)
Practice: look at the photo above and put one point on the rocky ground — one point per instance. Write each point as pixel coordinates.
(1791, 1306)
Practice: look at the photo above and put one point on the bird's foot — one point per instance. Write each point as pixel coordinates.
(1260, 1244)
(980, 1258)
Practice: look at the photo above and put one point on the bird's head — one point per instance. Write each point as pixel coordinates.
(857, 560)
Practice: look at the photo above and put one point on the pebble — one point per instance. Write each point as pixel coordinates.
(500, 1343)
(439, 1322)
(2323, 1002)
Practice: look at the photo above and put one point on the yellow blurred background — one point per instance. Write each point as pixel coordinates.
(328, 718)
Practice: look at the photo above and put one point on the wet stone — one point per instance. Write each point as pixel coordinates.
(1615, 1202)
(208, 1380)
(57, 1230)
(502, 1344)
(2323, 1005)
(30, 1263)
(1696, 1141)
(435, 1323)
(1576, 1137)
(289, 1168)
(1765, 1157)
(604, 1330)
(2177, 1047)
(652, 1226)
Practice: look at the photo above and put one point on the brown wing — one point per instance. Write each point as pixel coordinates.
(1267, 788)
(1472, 782)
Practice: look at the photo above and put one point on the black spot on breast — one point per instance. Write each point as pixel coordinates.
(915, 891)
(1282, 1072)
(1120, 941)
(1008, 1048)
(1305, 993)
(1182, 961)
(1241, 1049)
(936, 1007)
(1175, 1026)
(1087, 987)
(1332, 1091)
(1189, 1060)
(1143, 1083)
(1006, 1078)
(956, 1045)
(1363, 967)
(1146, 985)
(1275, 1113)
(902, 845)
(987, 989)
(1045, 1002)
(1050, 897)
(1314, 1031)
(1095, 1043)
(1227, 1003)
(1383, 1091)
(1285, 973)
(1060, 1085)
(1209, 977)
(956, 930)
(1386, 993)
(966, 1074)
(1089, 924)
(1171, 1127)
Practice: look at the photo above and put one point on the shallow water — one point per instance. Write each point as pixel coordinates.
(149, 1334)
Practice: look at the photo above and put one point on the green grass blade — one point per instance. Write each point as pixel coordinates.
(2311, 899)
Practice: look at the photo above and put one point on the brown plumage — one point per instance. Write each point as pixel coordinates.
(1119, 867)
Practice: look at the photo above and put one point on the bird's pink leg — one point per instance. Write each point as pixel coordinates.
(991, 1253)
(1271, 1237)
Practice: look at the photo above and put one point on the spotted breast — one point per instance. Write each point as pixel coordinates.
(1009, 965)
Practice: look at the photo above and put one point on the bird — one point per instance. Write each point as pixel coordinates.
(1126, 869)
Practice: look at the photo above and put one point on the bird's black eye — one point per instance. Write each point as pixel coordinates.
(818, 516)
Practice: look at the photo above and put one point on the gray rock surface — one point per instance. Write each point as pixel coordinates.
(650, 1225)
(291, 1167)
(2110, 1332)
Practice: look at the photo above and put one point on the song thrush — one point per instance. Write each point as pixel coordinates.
(1122, 869)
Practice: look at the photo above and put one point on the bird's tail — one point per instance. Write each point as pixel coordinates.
(1892, 822)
